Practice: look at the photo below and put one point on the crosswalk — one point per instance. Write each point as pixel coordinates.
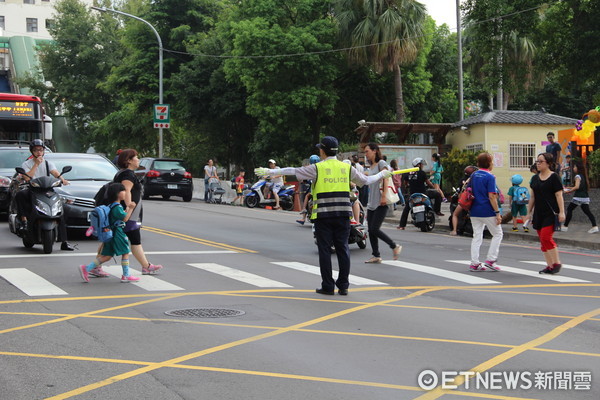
(445, 272)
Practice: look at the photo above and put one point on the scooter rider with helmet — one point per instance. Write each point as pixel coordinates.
(332, 209)
(417, 183)
(35, 167)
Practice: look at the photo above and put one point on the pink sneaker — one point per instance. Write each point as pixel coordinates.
(83, 272)
(151, 269)
(491, 265)
(127, 279)
(98, 272)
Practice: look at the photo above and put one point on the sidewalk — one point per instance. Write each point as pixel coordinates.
(577, 235)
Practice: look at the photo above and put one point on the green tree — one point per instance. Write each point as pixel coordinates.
(385, 34)
(292, 98)
(499, 47)
(135, 78)
(78, 59)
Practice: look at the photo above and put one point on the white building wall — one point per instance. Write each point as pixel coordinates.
(16, 12)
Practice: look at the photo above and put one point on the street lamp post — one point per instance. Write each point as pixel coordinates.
(461, 108)
(160, 65)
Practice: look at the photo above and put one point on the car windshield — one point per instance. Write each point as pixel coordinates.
(13, 158)
(159, 164)
(86, 169)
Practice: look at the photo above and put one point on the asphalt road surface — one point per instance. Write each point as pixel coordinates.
(423, 327)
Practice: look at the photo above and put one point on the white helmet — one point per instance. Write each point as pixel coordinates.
(418, 161)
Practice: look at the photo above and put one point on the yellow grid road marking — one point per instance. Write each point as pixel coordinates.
(194, 239)
(494, 361)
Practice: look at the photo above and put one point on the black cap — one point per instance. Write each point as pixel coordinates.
(328, 143)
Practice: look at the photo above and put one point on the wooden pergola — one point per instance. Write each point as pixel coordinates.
(366, 130)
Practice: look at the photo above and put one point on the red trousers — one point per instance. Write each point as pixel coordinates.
(545, 234)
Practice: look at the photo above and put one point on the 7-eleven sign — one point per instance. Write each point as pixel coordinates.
(161, 116)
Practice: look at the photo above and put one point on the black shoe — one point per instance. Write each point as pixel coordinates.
(343, 292)
(323, 291)
(67, 246)
(550, 270)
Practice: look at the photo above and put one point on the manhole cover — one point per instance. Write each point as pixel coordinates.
(205, 313)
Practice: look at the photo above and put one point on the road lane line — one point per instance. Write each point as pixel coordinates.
(521, 271)
(194, 239)
(147, 282)
(77, 254)
(312, 269)
(30, 283)
(239, 275)
(470, 278)
(570, 266)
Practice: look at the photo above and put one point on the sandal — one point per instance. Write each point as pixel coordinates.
(373, 260)
(397, 251)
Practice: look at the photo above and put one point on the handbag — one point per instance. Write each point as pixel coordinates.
(390, 193)
(466, 197)
(557, 224)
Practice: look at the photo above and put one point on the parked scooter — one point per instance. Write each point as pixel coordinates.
(463, 226)
(421, 212)
(46, 212)
(255, 196)
(358, 232)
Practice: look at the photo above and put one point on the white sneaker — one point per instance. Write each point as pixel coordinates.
(593, 230)
(564, 229)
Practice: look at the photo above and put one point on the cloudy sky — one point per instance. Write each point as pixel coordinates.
(442, 11)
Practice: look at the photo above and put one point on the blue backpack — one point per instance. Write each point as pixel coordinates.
(521, 195)
(100, 223)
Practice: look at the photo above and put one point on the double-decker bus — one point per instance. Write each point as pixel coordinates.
(22, 119)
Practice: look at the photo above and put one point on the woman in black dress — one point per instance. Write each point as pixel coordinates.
(546, 204)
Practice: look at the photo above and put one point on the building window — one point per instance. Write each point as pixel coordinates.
(49, 23)
(2, 21)
(28, 1)
(522, 155)
(474, 147)
(32, 25)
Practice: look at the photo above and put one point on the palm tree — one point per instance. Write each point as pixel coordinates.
(384, 34)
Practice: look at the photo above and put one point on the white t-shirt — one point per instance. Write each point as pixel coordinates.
(209, 172)
(41, 169)
(278, 180)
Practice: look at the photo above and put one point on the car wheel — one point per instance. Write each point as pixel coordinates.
(166, 197)
(187, 197)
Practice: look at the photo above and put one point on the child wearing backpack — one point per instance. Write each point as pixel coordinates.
(518, 197)
(119, 244)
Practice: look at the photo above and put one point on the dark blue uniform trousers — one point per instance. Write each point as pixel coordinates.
(333, 231)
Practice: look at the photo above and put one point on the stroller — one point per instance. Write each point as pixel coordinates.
(216, 192)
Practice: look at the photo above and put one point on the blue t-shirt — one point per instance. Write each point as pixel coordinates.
(482, 183)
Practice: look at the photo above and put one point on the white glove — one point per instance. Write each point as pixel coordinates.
(261, 171)
(386, 173)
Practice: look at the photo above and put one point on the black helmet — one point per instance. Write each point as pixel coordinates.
(35, 142)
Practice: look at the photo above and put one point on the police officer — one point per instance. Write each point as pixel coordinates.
(331, 208)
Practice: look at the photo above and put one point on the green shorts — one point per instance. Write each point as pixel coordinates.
(518, 209)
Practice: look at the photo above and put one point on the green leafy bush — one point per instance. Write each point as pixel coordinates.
(454, 164)
(593, 160)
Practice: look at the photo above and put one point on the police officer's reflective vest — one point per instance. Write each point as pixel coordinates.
(331, 190)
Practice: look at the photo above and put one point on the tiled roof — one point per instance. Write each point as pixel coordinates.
(516, 117)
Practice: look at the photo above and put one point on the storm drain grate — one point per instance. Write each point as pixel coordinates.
(205, 313)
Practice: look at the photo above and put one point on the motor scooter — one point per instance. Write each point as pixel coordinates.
(358, 232)
(421, 212)
(46, 211)
(463, 226)
(255, 196)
